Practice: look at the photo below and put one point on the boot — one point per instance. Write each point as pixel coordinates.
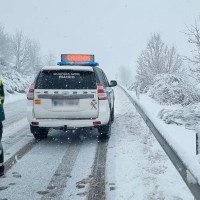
(2, 170)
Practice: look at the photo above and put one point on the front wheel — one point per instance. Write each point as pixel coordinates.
(105, 131)
(38, 132)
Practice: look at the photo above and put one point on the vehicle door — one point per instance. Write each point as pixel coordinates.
(109, 90)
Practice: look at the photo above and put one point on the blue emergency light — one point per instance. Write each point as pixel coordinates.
(93, 64)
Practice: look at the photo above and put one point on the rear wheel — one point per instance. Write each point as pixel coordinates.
(105, 131)
(39, 133)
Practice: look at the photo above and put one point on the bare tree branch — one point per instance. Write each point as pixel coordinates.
(156, 59)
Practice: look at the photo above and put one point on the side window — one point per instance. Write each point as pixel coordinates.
(100, 77)
(106, 83)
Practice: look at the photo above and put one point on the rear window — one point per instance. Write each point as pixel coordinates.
(66, 79)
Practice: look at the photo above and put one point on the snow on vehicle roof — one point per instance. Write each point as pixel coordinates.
(67, 67)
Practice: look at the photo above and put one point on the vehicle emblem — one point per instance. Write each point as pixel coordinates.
(93, 104)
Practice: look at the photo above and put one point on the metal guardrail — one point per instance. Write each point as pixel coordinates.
(175, 159)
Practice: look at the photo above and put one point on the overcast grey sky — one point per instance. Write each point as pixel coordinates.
(114, 30)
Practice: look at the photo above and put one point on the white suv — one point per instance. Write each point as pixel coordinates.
(70, 96)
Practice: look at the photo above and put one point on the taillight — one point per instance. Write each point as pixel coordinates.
(30, 94)
(35, 123)
(101, 92)
(96, 123)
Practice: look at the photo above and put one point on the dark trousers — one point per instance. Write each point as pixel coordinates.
(1, 147)
(1, 130)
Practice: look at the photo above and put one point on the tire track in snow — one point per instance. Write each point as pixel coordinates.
(9, 140)
(59, 180)
(19, 154)
(16, 134)
(97, 185)
(14, 127)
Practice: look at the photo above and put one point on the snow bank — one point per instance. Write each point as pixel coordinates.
(168, 89)
(15, 82)
(189, 116)
(10, 98)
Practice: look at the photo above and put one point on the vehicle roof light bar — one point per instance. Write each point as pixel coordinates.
(77, 58)
(79, 63)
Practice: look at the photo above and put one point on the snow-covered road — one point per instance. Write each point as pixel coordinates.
(14, 112)
(71, 165)
(15, 126)
(137, 165)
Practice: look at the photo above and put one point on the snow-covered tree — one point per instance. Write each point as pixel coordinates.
(34, 59)
(156, 59)
(173, 61)
(193, 34)
(20, 60)
(50, 59)
(20, 50)
(26, 53)
(5, 48)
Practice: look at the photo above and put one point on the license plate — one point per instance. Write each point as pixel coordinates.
(66, 102)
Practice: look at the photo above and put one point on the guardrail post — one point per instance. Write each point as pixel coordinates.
(197, 142)
(138, 91)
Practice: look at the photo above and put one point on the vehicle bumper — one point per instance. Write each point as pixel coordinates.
(69, 124)
(103, 117)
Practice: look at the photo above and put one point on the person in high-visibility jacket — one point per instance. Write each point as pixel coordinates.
(2, 118)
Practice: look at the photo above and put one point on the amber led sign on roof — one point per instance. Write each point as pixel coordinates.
(77, 58)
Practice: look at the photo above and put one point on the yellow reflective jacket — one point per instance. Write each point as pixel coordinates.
(1, 92)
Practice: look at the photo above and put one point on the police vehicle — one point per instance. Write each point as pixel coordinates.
(74, 94)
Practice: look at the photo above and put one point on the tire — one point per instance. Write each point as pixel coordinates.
(105, 131)
(39, 133)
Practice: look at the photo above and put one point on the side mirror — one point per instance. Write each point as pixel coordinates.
(113, 83)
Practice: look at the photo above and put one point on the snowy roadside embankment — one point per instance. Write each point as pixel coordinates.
(188, 116)
(15, 82)
(15, 85)
(137, 167)
(10, 98)
(182, 140)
